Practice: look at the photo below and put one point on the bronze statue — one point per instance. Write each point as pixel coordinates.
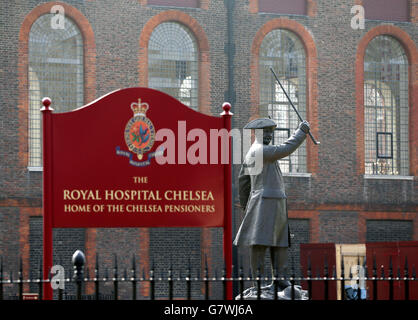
(265, 224)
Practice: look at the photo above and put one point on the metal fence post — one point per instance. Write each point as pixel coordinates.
(40, 285)
(413, 273)
(206, 279)
(96, 279)
(170, 282)
(292, 281)
(87, 275)
(351, 280)
(133, 278)
(188, 281)
(68, 280)
(241, 282)
(358, 278)
(326, 277)
(398, 275)
(275, 283)
(382, 273)
(223, 278)
(374, 278)
(124, 276)
(115, 278)
(256, 281)
(60, 291)
(406, 280)
(78, 261)
(334, 274)
(20, 279)
(11, 276)
(1, 277)
(143, 278)
(152, 282)
(342, 277)
(309, 274)
(366, 276)
(390, 277)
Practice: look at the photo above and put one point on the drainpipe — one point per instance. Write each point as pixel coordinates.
(229, 96)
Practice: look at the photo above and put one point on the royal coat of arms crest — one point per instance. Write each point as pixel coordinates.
(139, 131)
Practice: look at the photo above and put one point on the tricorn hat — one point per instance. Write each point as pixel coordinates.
(260, 123)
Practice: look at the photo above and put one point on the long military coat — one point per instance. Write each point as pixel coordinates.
(264, 198)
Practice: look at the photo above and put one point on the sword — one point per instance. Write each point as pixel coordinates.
(291, 103)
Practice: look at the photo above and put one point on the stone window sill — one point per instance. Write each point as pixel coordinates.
(298, 174)
(36, 169)
(387, 177)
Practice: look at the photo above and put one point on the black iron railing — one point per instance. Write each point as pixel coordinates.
(136, 278)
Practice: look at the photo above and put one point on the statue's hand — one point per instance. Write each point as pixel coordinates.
(304, 126)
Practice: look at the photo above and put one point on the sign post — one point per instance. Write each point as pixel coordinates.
(136, 157)
(47, 199)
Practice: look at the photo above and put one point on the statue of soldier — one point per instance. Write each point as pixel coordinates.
(265, 224)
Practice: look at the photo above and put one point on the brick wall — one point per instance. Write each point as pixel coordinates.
(164, 252)
(300, 231)
(124, 244)
(338, 227)
(389, 230)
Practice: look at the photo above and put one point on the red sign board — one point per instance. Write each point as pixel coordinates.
(97, 181)
(136, 157)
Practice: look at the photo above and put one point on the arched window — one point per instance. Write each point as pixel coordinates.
(284, 52)
(56, 71)
(173, 62)
(386, 107)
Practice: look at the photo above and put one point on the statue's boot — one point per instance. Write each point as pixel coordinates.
(281, 285)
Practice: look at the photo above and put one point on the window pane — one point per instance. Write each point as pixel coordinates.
(282, 50)
(55, 71)
(386, 107)
(173, 65)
